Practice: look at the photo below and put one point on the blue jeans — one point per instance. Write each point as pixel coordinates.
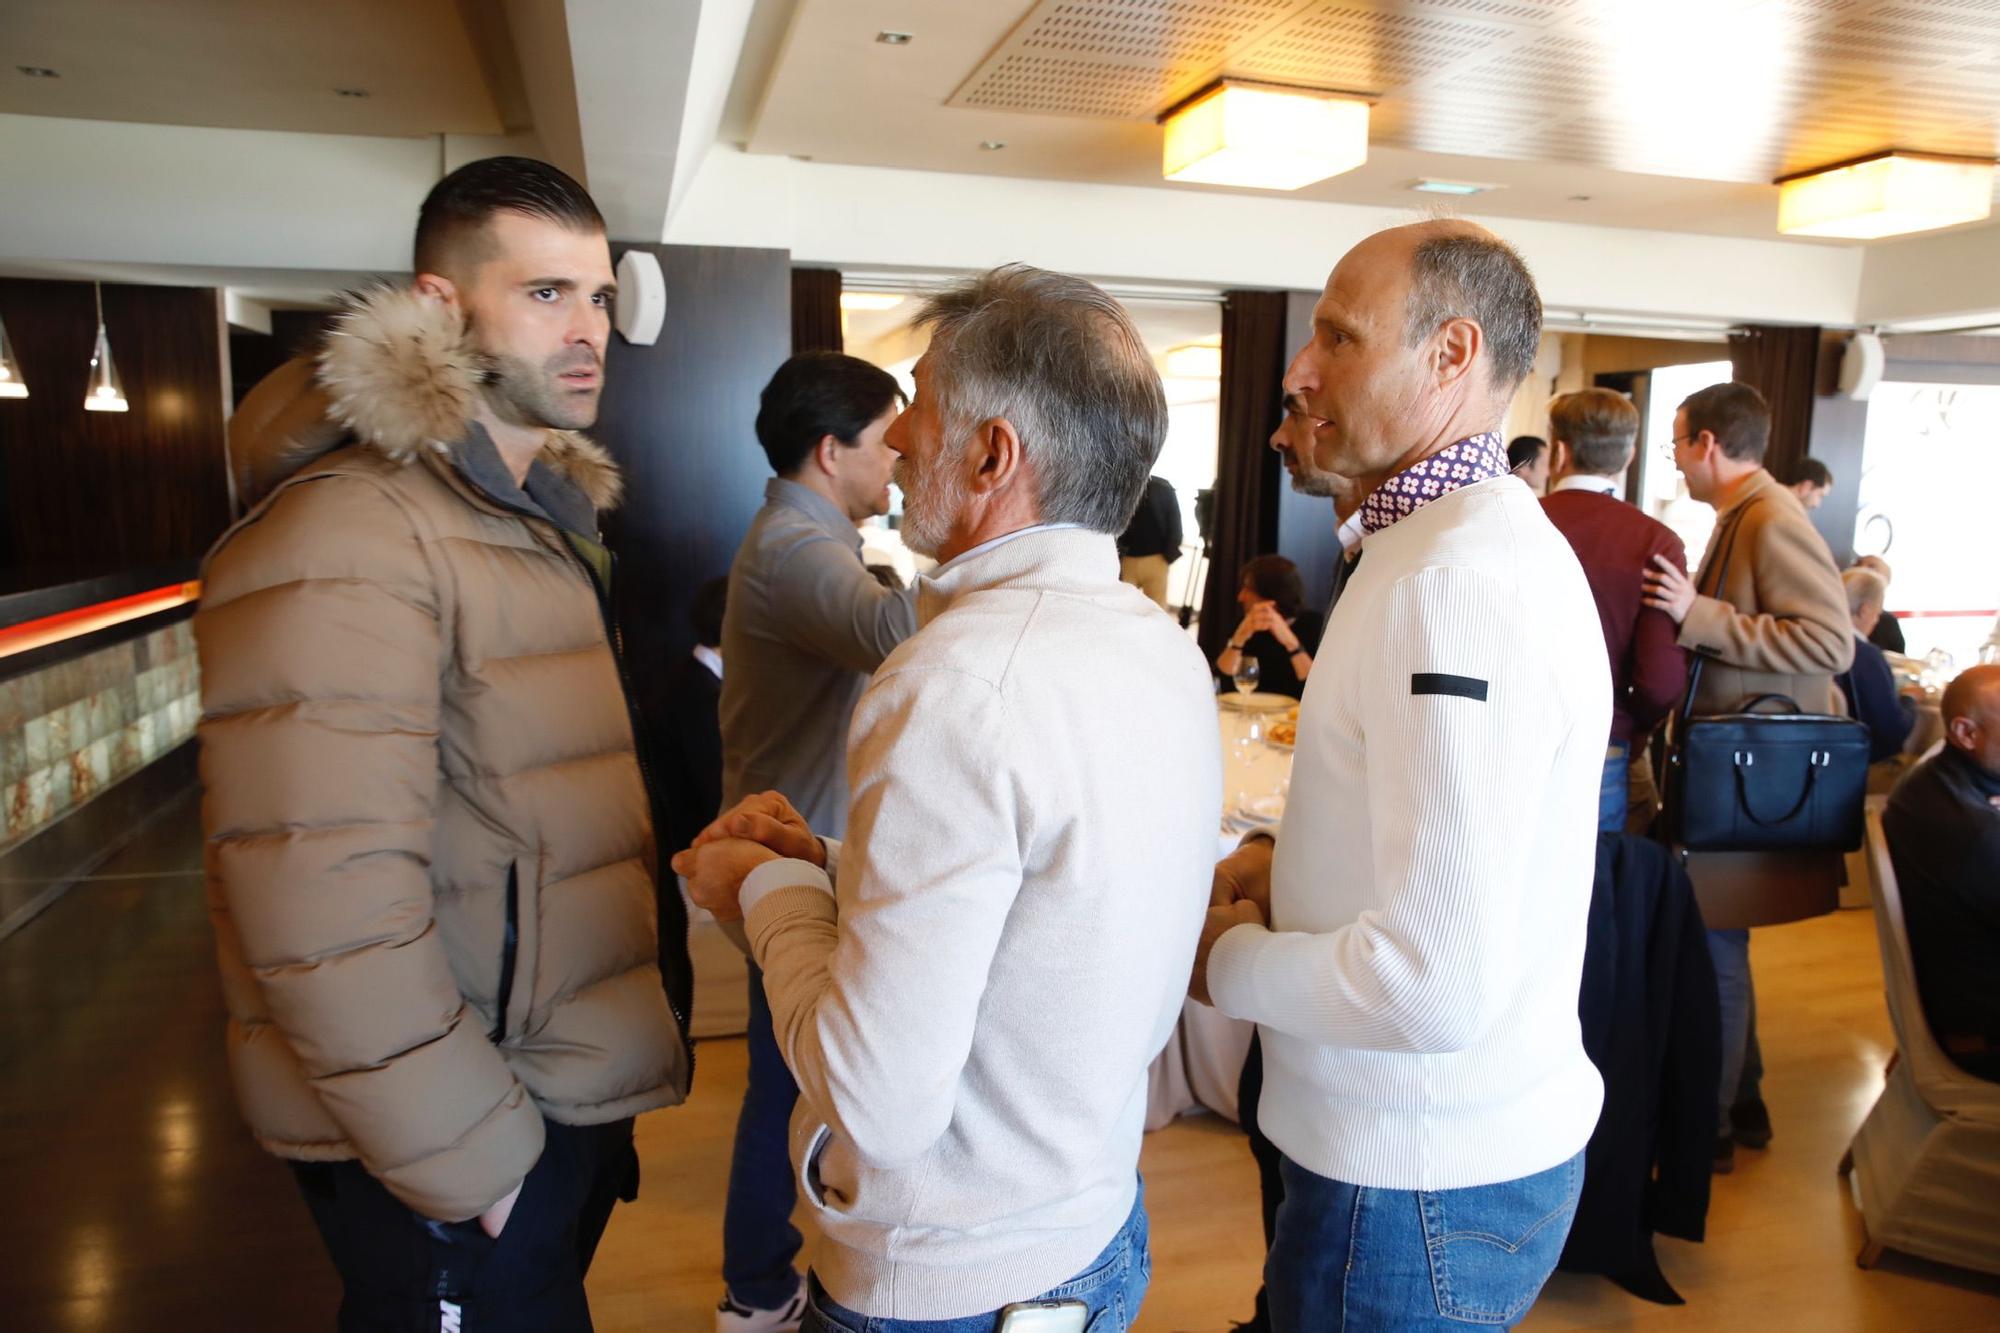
(1611, 796)
(1112, 1285)
(1742, 1061)
(1354, 1257)
(759, 1241)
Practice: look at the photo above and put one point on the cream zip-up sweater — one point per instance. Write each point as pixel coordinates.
(1417, 989)
(1036, 786)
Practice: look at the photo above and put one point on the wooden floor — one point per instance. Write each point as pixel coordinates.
(133, 1198)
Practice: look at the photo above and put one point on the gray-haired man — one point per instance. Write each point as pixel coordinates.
(972, 1010)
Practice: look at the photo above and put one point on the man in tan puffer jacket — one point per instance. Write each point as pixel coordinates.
(430, 849)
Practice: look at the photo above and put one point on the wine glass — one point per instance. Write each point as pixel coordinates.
(1245, 674)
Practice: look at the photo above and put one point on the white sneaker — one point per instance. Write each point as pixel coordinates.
(731, 1317)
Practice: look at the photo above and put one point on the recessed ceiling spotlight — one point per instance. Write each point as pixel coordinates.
(350, 92)
(992, 145)
(1579, 199)
(1428, 186)
(38, 71)
(888, 38)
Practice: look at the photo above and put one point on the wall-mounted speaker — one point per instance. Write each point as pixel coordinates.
(1861, 366)
(642, 297)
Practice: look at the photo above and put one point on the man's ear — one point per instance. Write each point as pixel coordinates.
(438, 288)
(1455, 351)
(1558, 457)
(1963, 732)
(997, 447)
(826, 455)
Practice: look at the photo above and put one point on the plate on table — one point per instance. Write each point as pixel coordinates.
(1282, 733)
(1259, 702)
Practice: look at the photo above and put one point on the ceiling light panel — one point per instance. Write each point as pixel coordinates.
(1577, 81)
(1264, 138)
(1889, 195)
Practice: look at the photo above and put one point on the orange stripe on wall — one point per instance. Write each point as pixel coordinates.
(30, 634)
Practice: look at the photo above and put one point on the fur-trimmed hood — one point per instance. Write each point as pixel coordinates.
(396, 374)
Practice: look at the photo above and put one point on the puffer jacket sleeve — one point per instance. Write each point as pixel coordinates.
(321, 651)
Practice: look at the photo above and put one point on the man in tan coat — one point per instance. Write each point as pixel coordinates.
(1774, 621)
(429, 840)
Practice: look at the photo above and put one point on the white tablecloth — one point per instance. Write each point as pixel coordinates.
(1199, 1068)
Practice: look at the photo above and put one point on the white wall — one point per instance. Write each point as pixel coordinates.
(881, 217)
(172, 194)
(1931, 278)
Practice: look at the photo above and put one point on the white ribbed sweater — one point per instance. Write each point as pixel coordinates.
(1418, 988)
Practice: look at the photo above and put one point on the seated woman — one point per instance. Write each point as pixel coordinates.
(1275, 632)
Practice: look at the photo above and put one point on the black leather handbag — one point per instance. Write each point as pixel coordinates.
(1753, 781)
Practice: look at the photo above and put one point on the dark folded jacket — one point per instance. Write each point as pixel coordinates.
(1652, 1027)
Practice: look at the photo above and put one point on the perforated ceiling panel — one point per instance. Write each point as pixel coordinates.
(1714, 89)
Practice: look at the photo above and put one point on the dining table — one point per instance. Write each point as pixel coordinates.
(1203, 1059)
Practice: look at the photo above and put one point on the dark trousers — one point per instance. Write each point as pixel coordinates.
(401, 1273)
(759, 1241)
(1270, 1179)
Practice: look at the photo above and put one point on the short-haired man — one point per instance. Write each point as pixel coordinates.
(971, 1013)
(807, 623)
(1411, 961)
(1528, 457)
(1868, 685)
(431, 859)
(1293, 439)
(1811, 480)
(1594, 432)
(1773, 622)
(1943, 827)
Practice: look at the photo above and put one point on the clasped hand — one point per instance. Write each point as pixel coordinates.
(1264, 616)
(1240, 895)
(760, 828)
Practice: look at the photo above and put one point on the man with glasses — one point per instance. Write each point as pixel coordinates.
(1775, 621)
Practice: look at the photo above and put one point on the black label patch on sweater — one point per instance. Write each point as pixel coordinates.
(1437, 682)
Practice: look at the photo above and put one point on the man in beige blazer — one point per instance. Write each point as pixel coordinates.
(1773, 621)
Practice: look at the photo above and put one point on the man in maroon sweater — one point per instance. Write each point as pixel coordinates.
(1592, 433)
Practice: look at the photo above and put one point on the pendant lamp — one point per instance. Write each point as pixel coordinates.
(105, 394)
(11, 383)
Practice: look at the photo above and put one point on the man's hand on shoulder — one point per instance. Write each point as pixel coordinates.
(1669, 589)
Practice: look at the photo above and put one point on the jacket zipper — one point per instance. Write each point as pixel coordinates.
(510, 943)
(615, 637)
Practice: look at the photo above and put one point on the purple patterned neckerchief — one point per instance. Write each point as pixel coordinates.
(1478, 458)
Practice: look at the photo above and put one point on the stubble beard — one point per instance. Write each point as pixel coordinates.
(526, 394)
(933, 495)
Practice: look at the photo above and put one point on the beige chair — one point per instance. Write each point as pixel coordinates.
(1925, 1165)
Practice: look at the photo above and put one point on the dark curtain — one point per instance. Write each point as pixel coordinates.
(816, 311)
(1244, 522)
(1782, 364)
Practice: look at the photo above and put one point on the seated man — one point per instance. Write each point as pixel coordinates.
(970, 993)
(1943, 826)
(1869, 686)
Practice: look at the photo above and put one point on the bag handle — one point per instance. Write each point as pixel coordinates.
(1721, 573)
(1743, 793)
(1790, 705)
